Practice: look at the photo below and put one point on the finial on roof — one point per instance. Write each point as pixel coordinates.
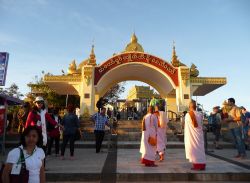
(92, 50)
(72, 67)
(175, 62)
(134, 46)
(133, 38)
(92, 60)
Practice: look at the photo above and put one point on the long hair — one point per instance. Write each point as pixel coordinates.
(26, 133)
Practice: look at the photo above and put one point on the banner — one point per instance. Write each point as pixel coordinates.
(4, 57)
(2, 120)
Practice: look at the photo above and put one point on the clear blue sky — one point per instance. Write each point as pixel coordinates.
(48, 35)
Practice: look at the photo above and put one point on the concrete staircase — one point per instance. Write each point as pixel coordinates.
(129, 136)
(127, 131)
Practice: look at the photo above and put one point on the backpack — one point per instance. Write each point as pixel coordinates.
(212, 119)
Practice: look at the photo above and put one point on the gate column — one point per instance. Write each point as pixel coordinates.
(183, 92)
(87, 91)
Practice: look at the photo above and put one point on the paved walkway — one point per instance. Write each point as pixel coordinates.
(86, 161)
(175, 162)
(230, 153)
(91, 167)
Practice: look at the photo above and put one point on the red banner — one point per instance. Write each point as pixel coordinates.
(131, 57)
(2, 120)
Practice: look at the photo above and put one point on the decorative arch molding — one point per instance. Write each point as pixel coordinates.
(136, 58)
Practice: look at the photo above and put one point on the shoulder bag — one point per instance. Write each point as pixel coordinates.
(152, 140)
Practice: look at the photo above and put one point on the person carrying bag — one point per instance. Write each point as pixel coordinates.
(149, 139)
(25, 164)
(19, 173)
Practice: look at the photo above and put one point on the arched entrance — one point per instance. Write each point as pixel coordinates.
(137, 66)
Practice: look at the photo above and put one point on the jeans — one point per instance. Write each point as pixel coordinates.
(50, 144)
(71, 139)
(216, 131)
(99, 135)
(245, 132)
(237, 135)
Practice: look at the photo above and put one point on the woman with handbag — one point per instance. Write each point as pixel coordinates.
(25, 163)
(149, 138)
(71, 130)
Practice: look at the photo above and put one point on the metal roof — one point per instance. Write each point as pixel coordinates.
(10, 100)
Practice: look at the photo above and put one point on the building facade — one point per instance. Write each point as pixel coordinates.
(174, 81)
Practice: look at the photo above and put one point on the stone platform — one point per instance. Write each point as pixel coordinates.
(89, 166)
(120, 161)
(123, 165)
(129, 144)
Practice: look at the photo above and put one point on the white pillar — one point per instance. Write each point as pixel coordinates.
(87, 91)
(183, 92)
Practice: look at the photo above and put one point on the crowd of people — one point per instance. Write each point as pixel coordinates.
(237, 120)
(39, 131)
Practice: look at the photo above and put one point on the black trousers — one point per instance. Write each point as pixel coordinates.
(217, 133)
(99, 135)
(51, 142)
(71, 139)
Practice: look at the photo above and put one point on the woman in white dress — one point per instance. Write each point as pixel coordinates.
(161, 131)
(149, 131)
(33, 157)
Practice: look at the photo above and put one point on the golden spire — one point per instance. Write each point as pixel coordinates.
(92, 60)
(134, 38)
(174, 52)
(134, 46)
(72, 67)
(175, 62)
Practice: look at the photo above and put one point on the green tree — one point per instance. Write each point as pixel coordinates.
(12, 91)
(114, 92)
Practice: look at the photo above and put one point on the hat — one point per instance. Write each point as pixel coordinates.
(242, 107)
(225, 103)
(39, 99)
(216, 107)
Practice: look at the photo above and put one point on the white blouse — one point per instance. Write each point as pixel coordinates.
(33, 162)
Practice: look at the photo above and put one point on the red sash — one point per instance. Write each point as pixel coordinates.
(193, 118)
